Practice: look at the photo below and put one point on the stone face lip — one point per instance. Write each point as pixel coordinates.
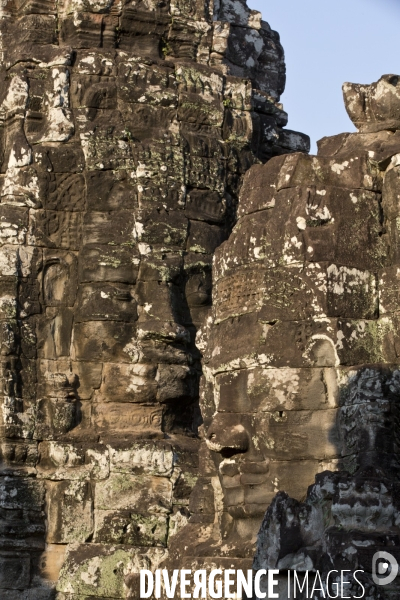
(374, 107)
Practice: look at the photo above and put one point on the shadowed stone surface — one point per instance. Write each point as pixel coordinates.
(126, 130)
(350, 515)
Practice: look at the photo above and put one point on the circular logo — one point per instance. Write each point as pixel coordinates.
(384, 568)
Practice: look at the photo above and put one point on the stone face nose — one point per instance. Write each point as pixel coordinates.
(227, 435)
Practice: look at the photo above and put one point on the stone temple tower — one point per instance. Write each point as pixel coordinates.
(126, 130)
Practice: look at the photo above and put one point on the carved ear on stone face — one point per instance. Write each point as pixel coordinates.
(322, 353)
(198, 289)
(59, 280)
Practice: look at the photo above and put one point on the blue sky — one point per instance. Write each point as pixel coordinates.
(326, 44)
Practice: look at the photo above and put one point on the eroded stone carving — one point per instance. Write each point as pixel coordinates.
(305, 292)
(126, 130)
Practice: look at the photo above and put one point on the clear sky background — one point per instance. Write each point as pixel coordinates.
(327, 43)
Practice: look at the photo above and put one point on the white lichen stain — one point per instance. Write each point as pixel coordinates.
(301, 223)
(92, 575)
(339, 168)
(144, 249)
(353, 198)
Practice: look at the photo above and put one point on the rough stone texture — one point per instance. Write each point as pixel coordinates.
(126, 129)
(301, 361)
(349, 515)
(374, 107)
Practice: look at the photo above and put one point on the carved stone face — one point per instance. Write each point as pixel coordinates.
(118, 188)
(126, 129)
(112, 220)
(269, 422)
(120, 171)
(296, 296)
